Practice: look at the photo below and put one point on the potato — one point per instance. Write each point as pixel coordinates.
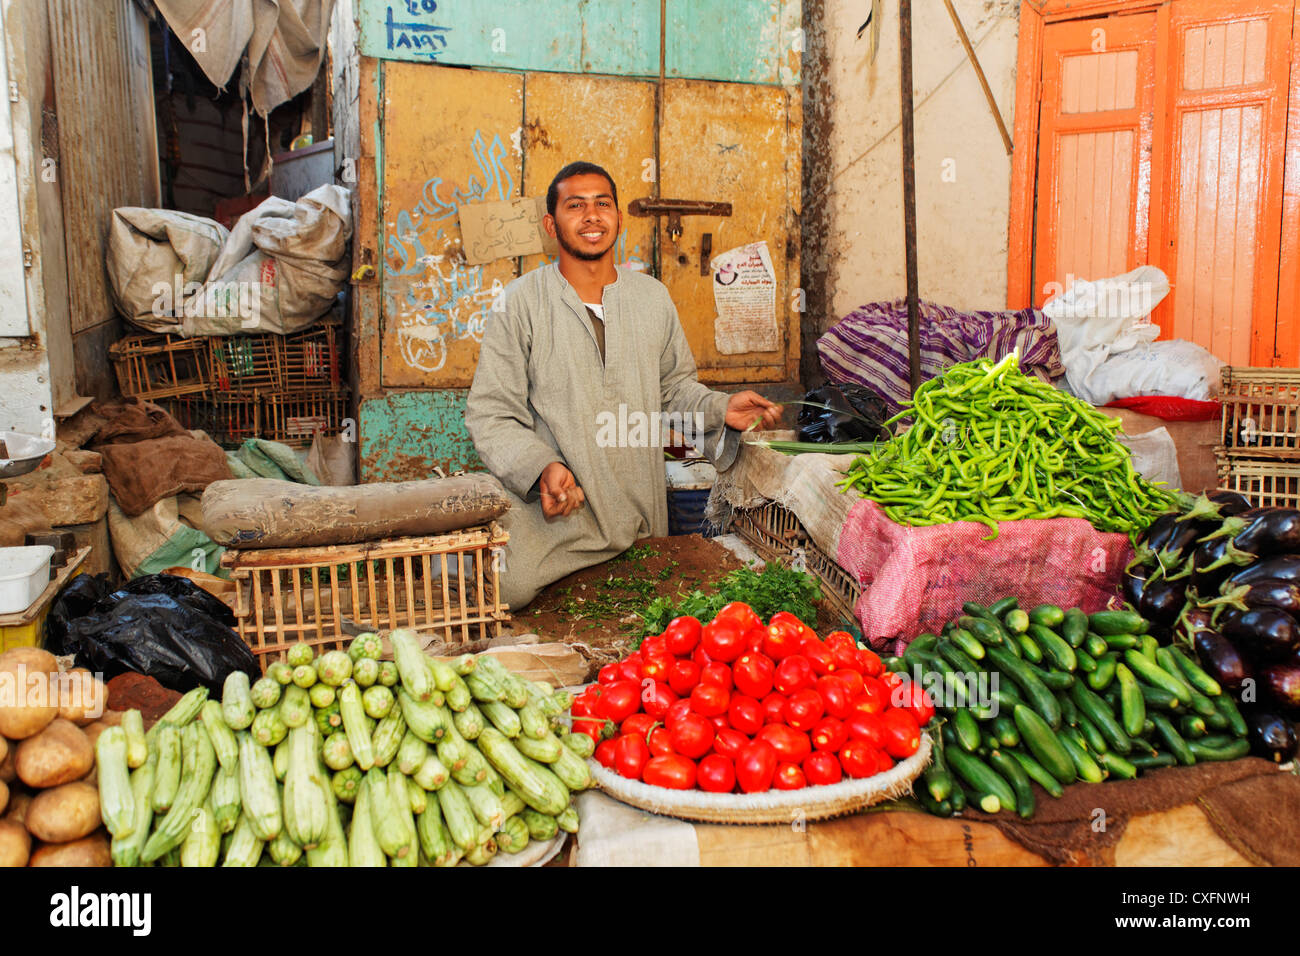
(4, 796)
(4, 749)
(64, 813)
(15, 844)
(92, 731)
(92, 850)
(19, 803)
(59, 754)
(83, 697)
(8, 770)
(27, 706)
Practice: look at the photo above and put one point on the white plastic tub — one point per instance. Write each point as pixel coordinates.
(24, 574)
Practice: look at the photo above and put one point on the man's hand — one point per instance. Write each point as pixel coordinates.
(747, 408)
(560, 494)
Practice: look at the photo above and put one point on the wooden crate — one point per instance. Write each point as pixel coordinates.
(311, 359)
(1266, 482)
(1261, 411)
(776, 534)
(229, 418)
(245, 363)
(160, 366)
(327, 595)
(292, 418)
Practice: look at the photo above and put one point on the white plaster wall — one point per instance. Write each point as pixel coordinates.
(961, 224)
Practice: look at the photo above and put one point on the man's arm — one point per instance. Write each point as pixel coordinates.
(682, 393)
(497, 413)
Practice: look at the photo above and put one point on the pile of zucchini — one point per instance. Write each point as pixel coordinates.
(347, 760)
(1077, 697)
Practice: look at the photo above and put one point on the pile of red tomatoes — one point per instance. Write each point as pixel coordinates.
(738, 705)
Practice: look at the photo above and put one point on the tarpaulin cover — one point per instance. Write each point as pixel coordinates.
(914, 580)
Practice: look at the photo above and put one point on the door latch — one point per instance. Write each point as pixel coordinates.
(674, 209)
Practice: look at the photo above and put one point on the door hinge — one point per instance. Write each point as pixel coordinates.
(13, 91)
(29, 260)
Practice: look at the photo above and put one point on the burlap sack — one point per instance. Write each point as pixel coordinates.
(153, 254)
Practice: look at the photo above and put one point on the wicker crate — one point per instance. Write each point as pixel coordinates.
(1266, 482)
(229, 418)
(160, 366)
(325, 596)
(245, 363)
(292, 418)
(1261, 411)
(776, 534)
(311, 359)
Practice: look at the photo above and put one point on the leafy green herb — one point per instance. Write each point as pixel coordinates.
(777, 588)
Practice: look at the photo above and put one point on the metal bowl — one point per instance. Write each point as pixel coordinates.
(26, 452)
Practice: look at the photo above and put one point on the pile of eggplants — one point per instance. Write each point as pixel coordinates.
(1223, 577)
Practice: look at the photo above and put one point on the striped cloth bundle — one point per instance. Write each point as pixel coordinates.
(869, 345)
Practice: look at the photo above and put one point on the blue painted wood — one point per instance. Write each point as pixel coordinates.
(620, 39)
(405, 434)
(737, 41)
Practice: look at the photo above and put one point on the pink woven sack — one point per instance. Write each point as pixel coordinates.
(915, 580)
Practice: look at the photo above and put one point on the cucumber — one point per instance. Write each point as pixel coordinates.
(1015, 621)
(390, 831)
(580, 744)
(458, 814)
(538, 787)
(938, 780)
(541, 826)
(1117, 766)
(354, 725)
(982, 778)
(267, 728)
(1227, 707)
(1096, 646)
(1195, 676)
(1052, 679)
(1149, 646)
(1003, 606)
(1036, 692)
(1153, 761)
(1047, 615)
(425, 719)
(399, 791)
(1085, 767)
(1173, 740)
(1014, 775)
(1193, 726)
(1122, 642)
(1092, 736)
(1060, 653)
(244, 849)
(226, 805)
(1099, 714)
(388, 737)
(571, 768)
(125, 850)
(1106, 623)
(1004, 729)
(503, 717)
(411, 754)
(1105, 673)
(967, 643)
(469, 721)
(1036, 734)
(1152, 673)
(1029, 650)
(966, 730)
(219, 732)
(167, 776)
(1085, 661)
(258, 792)
(1038, 773)
(116, 798)
(412, 665)
(920, 645)
(933, 807)
(202, 845)
(1133, 708)
(1169, 664)
(1160, 698)
(432, 774)
(1074, 627)
(1069, 712)
(990, 633)
(1235, 750)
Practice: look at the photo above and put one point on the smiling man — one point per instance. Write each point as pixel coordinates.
(582, 343)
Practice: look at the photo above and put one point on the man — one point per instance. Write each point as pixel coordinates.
(582, 344)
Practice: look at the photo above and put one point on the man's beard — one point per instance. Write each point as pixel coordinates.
(584, 255)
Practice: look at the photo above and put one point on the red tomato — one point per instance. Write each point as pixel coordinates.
(790, 745)
(822, 768)
(829, 734)
(793, 673)
(873, 698)
(803, 709)
(656, 668)
(845, 655)
(656, 645)
(605, 753)
(754, 639)
(661, 742)
(883, 762)
(785, 617)
(789, 777)
(610, 673)
(852, 680)
(671, 771)
(870, 663)
(819, 656)
(620, 701)
(808, 633)
(783, 638)
(700, 657)
(716, 673)
(746, 714)
(740, 614)
(677, 710)
(639, 724)
(756, 766)
(836, 639)
(889, 679)
(709, 699)
(912, 697)
(583, 706)
(753, 675)
(682, 676)
(656, 699)
(835, 695)
(692, 736)
(858, 759)
(682, 635)
(868, 728)
(723, 641)
(720, 722)
(773, 708)
(597, 730)
(630, 756)
(729, 742)
(902, 735)
(630, 668)
(716, 774)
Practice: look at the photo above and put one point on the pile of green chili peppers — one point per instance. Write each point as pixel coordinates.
(990, 444)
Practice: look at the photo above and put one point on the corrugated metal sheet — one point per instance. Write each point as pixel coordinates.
(107, 153)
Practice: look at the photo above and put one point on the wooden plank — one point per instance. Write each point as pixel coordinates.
(1024, 159)
(1286, 347)
(750, 50)
(435, 306)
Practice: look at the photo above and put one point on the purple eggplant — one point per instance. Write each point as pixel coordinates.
(1155, 537)
(1178, 547)
(1209, 566)
(1230, 502)
(1266, 634)
(1221, 658)
(1135, 582)
(1280, 567)
(1282, 684)
(1163, 601)
(1272, 736)
(1260, 533)
(1267, 593)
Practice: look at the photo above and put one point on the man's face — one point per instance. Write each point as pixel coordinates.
(586, 222)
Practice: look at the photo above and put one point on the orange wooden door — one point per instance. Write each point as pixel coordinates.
(1286, 345)
(1095, 134)
(1219, 237)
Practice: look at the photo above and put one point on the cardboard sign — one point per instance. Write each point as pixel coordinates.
(503, 230)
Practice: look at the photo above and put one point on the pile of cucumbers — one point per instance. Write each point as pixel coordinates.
(1077, 697)
(347, 760)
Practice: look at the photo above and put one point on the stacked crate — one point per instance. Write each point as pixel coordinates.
(282, 387)
(1260, 451)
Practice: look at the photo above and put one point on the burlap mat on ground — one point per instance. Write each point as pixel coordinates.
(1251, 805)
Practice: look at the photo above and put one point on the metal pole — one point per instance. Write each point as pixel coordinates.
(909, 195)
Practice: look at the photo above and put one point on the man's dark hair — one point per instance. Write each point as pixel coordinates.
(579, 168)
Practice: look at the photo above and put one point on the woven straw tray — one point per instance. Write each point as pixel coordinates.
(774, 806)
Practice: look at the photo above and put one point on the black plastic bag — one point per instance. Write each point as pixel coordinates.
(842, 417)
(160, 625)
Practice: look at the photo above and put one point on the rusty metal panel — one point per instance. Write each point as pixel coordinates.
(449, 137)
(558, 130)
(367, 243)
(404, 435)
(102, 162)
(736, 143)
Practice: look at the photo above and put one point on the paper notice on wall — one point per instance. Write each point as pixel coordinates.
(744, 293)
(502, 230)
